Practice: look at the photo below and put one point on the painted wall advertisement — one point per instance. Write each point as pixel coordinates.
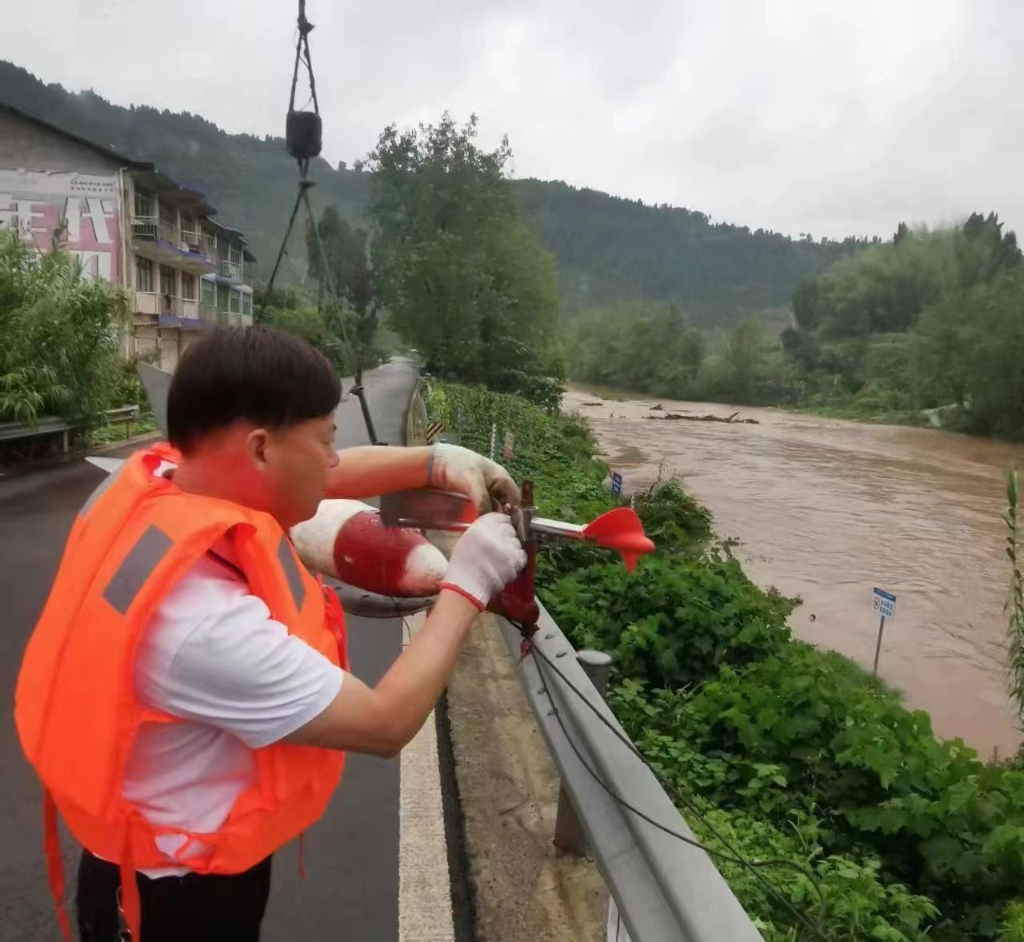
(83, 209)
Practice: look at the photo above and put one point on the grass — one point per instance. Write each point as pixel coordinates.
(108, 434)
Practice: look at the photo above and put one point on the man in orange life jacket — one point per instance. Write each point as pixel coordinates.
(184, 697)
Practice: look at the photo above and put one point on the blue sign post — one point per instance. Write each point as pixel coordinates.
(884, 604)
(616, 483)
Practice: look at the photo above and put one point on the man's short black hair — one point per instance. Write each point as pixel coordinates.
(255, 374)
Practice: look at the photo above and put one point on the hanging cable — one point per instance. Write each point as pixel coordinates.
(303, 129)
(303, 136)
(325, 268)
(304, 141)
(733, 856)
(284, 243)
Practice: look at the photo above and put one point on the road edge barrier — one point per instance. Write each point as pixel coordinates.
(52, 425)
(663, 888)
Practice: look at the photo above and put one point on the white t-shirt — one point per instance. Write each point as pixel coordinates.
(214, 657)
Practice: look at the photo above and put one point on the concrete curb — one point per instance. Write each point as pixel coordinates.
(524, 888)
(520, 886)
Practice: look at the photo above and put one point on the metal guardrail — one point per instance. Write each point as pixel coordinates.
(663, 889)
(15, 431)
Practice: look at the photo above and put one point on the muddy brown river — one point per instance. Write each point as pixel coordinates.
(826, 510)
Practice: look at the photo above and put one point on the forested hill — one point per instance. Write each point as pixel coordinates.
(608, 249)
(611, 249)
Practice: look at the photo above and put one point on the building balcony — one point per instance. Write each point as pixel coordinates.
(167, 244)
(230, 318)
(199, 241)
(156, 307)
(232, 271)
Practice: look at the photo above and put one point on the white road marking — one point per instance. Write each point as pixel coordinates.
(424, 892)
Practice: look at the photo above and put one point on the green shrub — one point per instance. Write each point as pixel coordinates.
(58, 335)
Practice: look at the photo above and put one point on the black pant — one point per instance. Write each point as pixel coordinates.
(193, 908)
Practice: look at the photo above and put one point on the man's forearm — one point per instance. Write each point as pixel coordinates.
(382, 720)
(371, 470)
(417, 679)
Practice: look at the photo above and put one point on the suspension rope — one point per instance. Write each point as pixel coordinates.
(304, 132)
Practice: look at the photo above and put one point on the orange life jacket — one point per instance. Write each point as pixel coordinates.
(75, 706)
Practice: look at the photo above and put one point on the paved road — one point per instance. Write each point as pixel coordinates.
(351, 856)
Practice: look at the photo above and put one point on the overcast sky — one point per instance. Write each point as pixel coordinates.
(832, 117)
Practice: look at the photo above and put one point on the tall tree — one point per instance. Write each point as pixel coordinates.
(642, 347)
(741, 358)
(339, 263)
(943, 343)
(997, 355)
(461, 275)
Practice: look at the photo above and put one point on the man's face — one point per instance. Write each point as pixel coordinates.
(297, 459)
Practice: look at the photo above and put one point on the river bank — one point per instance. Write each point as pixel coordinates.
(948, 417)
(826, 509)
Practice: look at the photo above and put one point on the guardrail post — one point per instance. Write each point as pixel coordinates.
(569, 836)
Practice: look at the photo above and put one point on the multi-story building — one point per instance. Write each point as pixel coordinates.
(130, 224)
(187, 268)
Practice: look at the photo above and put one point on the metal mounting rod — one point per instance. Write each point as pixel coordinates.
(360, 393)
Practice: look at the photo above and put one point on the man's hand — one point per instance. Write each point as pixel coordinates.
(487, 557)
(487, 483)
(384, 719)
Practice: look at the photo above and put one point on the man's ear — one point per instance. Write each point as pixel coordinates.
(256, 443)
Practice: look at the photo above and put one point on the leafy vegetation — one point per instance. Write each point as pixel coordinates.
(655, 349)
(462, 277)
(931, 319)
(607, 249)
(347, 292)
(612, 250)
(932, 322)
(787, 752)
(58, 336)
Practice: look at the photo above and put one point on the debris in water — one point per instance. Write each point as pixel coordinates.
(729, 544)
(731, 420)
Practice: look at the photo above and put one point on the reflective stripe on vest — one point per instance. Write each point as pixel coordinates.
(136, 568)
(286, 557)
(143, 558)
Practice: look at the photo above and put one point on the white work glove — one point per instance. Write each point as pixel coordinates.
(454, 468)
(487, 557)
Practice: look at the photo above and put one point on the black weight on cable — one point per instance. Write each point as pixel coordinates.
(303, 135)
(304, 130)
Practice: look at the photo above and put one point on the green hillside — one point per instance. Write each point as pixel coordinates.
(608, 249)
